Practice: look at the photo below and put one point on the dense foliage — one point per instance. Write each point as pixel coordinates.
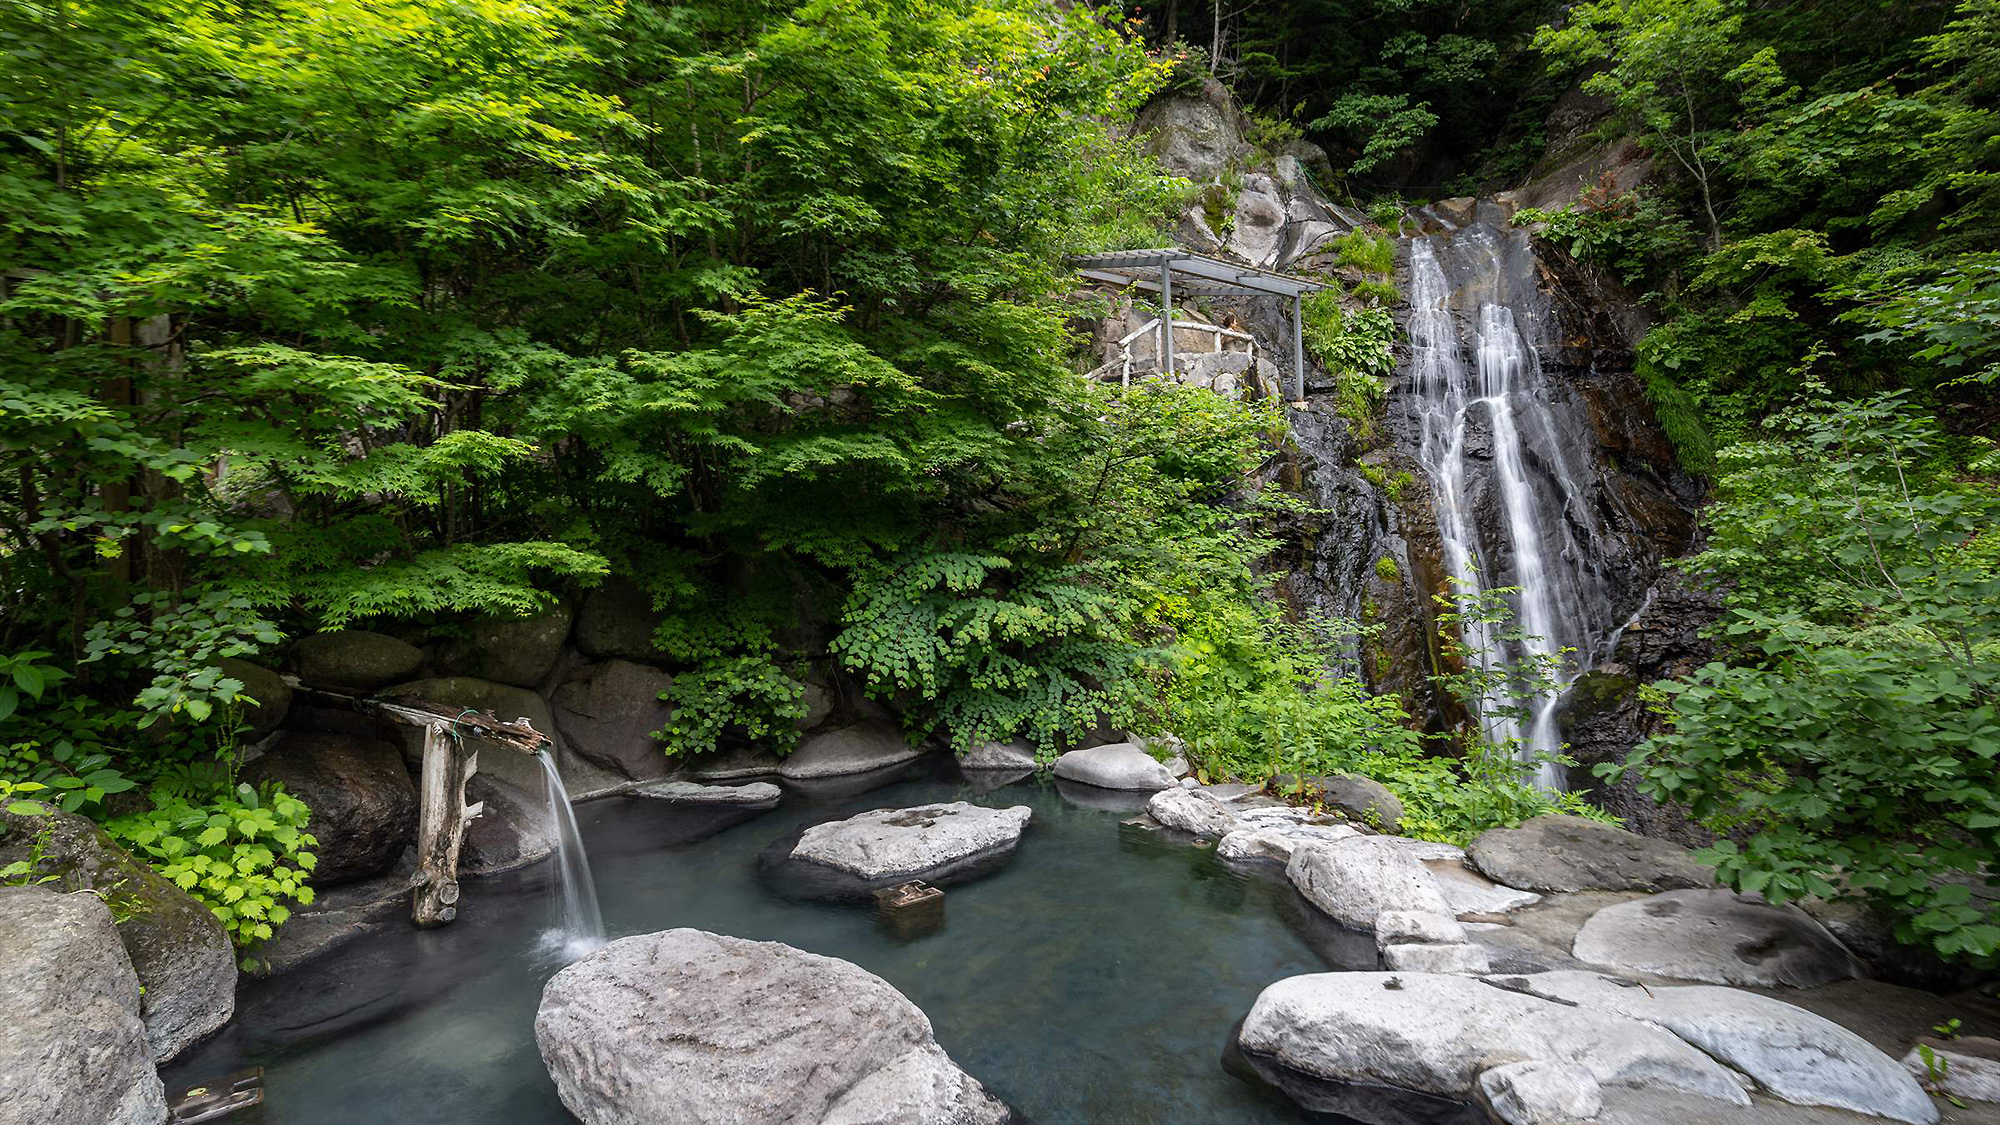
(1816, 241)
(1856, 726)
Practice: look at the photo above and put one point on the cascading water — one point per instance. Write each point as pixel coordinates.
(579, 927)
(1509, 470)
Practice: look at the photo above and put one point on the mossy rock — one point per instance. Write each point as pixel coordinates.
(183, 957)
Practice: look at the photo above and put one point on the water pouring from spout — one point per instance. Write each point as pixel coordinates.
(579, 925)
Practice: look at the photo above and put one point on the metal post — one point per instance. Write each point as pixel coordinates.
(1167, 319)
(1299, 346)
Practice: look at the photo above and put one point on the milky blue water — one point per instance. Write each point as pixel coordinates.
(1094, 979)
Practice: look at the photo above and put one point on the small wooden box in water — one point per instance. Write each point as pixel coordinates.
(910, 909)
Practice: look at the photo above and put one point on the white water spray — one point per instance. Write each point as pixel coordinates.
(579, 927)
(1506, 498)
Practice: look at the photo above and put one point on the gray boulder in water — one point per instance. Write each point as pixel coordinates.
(912, 842)
(1118, 765)
(699, 1029)
(72, 1047)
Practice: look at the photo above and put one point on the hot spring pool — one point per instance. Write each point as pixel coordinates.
(1094, 980)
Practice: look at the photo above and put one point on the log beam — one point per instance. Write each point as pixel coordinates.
(441, 819)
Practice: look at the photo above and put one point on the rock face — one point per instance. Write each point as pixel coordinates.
(518, 651)
(1355, 880)
(272, 693)
(1016, 755)
(1119, 765)
(907, 843)
(757, 794)
(182, 956)
(514, 830)
(617, 620)
(607, 712)
(72, 1047)
(1715, 936)
(694, 1028)
(1602, 717)
(364, 805)
(354, 660)
(1569, 853)
(859, 748)
(1192, 810)
(1791, 1052)
(1437, 1034)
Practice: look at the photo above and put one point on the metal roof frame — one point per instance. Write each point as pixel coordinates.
(1170, 268)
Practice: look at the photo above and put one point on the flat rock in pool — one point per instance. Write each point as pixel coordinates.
(757, 794)
(699, 1029)
(1718, 937)
(912, 842)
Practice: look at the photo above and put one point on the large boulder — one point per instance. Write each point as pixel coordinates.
(354, 660)
(1569, 853)
(617, 621)
(73, 1050)
(914, 842)
(1718, 937)
(1118, 765)
(1438, 1034)
(510, 650)
(1470, 893)
(1013, 757)
(607, 712)
(1352, 881)
(700, 1029)
(859, 748)
(364, 805)
(1361, 798)
(1192, 810)
(1791, 1052)
(272, 693)
(180, 951)
(1197, 136)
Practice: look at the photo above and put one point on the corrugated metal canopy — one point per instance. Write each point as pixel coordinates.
(1193, 274)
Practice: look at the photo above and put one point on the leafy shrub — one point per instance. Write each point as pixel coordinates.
(1367, 251)
(1386, 569)
(243, 854)
(998, 650)
(1853, 726)
(747, 695)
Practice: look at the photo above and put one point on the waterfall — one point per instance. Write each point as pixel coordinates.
(579, 927)
(1509, 468)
